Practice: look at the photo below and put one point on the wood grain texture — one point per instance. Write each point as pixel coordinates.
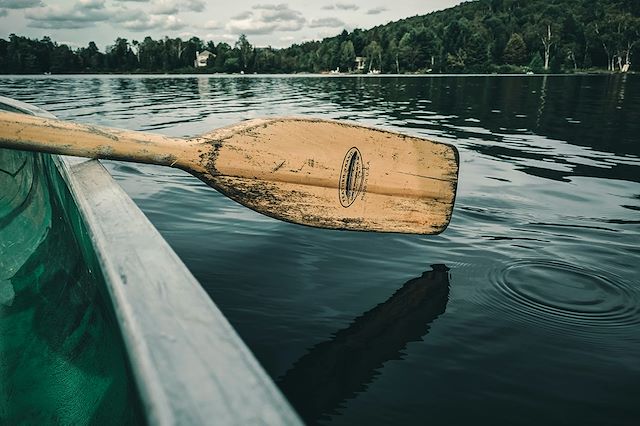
(313, 172)
(294, 169)
(29, 133)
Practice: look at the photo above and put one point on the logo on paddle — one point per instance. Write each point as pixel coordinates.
(351, 177)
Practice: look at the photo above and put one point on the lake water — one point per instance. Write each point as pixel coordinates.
(526, 310)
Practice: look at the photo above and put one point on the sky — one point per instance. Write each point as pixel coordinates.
(276, 24)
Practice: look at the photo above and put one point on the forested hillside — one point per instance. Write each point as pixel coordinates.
(474, 37)
(487, 36)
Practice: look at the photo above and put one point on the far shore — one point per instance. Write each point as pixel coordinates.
(329, 75)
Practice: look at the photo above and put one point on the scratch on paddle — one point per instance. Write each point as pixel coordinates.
(278, 167)
(424, 177)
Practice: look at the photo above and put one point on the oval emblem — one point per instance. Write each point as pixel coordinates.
(351, 177)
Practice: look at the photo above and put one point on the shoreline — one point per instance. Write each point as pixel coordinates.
(315, 75)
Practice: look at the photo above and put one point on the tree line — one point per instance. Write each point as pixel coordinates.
(474, 37)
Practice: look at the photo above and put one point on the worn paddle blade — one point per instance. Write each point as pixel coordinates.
(335, 175)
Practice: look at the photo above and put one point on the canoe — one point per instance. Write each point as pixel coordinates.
(100, 321)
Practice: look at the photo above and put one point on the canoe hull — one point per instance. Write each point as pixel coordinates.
(104, 324)
(62, 358)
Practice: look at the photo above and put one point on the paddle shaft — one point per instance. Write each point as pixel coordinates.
(31, 133)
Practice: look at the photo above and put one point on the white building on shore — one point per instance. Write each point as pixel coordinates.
(202, 58)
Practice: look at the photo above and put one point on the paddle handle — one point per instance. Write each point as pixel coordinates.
(30, 133)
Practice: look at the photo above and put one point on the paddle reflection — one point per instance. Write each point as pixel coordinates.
(336, 370)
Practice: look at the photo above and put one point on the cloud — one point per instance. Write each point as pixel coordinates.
(185, 35)
(71, 43)
(341, 6)
(228, 37)
(82, 14)
(164, 7)
(266, 19)
(327, 33)
(376, 10)
(326, 23)
(91, 4)
(86, 13)
(243, 15)
(212, 25)
(347, 6)
(194, 5)
(20, 4)
(280, 6)
(225, 37)
(142, 22)
(171, 7)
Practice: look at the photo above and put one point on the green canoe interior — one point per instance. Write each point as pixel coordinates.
(62, 358)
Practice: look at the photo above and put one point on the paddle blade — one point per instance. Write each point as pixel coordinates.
(335, 175)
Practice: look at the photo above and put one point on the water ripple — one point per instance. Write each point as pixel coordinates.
(566, 296)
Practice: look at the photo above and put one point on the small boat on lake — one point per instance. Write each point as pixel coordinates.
(100, 321)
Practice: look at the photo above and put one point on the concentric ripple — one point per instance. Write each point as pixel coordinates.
(556, 293)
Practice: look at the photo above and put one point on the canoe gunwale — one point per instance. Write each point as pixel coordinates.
(189, 364)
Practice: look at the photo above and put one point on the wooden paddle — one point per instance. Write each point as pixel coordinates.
(320, 173)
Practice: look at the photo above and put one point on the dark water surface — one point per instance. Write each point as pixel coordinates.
(526, 310)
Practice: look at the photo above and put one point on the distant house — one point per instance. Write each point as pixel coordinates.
(202, 58)
(360, 63)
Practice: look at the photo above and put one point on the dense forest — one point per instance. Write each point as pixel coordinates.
(475, 37)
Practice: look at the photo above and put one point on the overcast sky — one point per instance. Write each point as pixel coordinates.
(279, 24)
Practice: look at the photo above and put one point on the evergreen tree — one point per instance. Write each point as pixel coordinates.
(477, 59)
(515, 52)
(347, 55)
(245, 51)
